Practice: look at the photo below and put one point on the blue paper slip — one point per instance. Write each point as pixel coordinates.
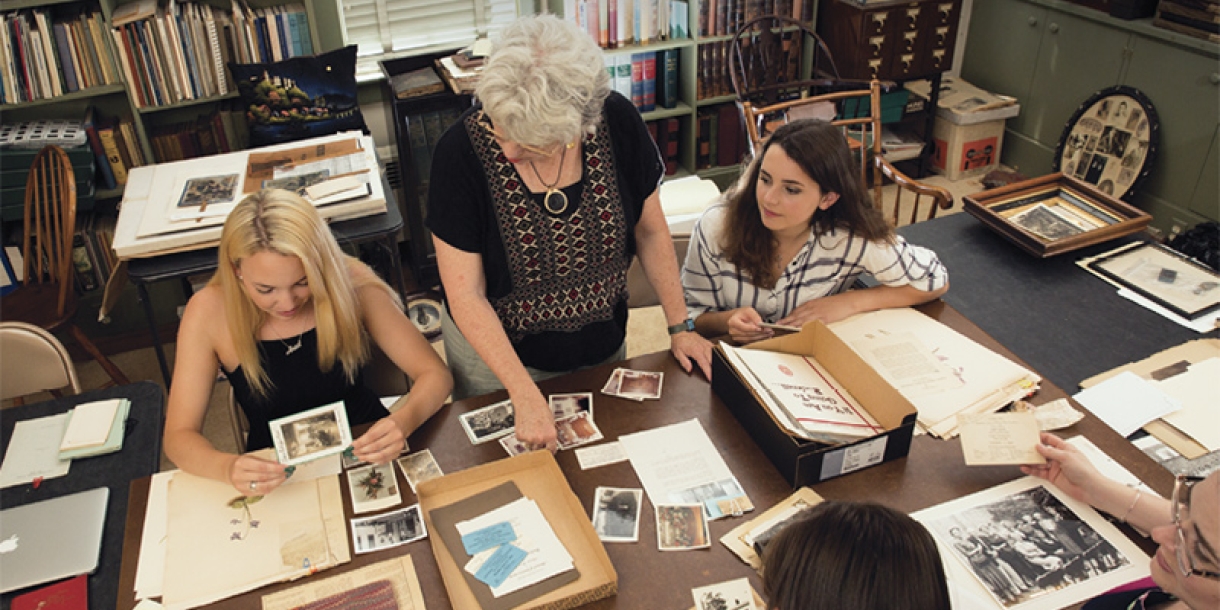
(496, 569)
(489, 537)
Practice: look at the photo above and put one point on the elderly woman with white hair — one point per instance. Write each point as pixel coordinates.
(540, 196)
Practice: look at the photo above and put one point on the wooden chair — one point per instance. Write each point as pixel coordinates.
(34, 361)
(766, 57)
(46, 298)
(858, 114)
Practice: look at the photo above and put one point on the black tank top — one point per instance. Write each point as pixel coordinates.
(298, 385)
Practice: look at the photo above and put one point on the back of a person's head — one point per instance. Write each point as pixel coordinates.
(854, 555)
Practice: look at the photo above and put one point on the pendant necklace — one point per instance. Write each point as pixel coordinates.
(555, 201)
(289, 347)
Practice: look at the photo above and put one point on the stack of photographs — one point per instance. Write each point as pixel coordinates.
(635, 385)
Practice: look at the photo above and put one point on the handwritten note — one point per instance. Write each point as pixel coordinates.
(1000, 438)
(496, 569)
(488, 537)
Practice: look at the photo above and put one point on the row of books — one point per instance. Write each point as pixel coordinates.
(665, 133)
(713, 79)
(180, 51)
(116, 147)
(725, 17)
(649, 79)
(424, 130)
(49, 51)
(92, 255)
(620, 23)
(720, 137)
(221, 131)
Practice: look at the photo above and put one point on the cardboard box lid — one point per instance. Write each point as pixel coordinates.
(537, 476)
(961, 103)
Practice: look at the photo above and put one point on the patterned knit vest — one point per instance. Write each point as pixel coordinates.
(566, 272)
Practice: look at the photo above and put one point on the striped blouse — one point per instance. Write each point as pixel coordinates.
(827, 264)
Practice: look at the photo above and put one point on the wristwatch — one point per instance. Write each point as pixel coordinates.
(681, 327)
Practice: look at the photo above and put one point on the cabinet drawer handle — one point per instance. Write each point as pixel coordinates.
(1054, 28)
(1032, 21)
(1214, 78)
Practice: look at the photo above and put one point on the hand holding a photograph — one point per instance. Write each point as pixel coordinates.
(382, 442)
(745, 326)
(1067, 468)
(254, 476)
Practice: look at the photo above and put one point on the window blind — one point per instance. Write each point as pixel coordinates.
(391, 28)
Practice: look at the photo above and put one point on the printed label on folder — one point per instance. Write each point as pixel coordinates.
(488, 537)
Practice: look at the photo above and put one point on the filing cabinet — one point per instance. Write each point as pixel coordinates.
(901, 40)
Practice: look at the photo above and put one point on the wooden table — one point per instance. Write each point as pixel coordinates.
(931, 474)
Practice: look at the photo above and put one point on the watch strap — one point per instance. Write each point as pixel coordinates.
(681, 327)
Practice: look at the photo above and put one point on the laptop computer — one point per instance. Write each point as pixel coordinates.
(51, 539)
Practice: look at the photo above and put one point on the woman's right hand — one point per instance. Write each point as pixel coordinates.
(534, 422)
(1067, 468)
(255, 476)
(745, 326)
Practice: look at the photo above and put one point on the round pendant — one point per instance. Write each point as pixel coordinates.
(556, 201)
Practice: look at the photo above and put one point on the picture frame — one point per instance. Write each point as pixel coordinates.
(1167, 277)
(1053, 214)
(311, 434)
(1111, 141)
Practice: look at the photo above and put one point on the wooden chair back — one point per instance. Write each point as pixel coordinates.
(50, 221)
(766, 57)
(910, 195)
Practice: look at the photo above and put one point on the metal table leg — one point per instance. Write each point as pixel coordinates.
(152, 328)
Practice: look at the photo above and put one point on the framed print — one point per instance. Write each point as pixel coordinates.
(311, 434)
(1171, 279)
(1110, 141)
(1054, 214)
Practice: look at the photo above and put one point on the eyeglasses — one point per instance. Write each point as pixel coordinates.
(1182, 486)
(484, 121)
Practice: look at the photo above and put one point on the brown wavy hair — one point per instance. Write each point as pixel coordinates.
(821, 151)
(862, 556)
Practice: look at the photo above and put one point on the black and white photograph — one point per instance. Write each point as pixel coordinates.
(728, 595)
(311, 434)
(388, 530)
(1027, 545)
(297, 183)
(419, 467)
(489, 423)
(373, 488)
(616, 514)
(564, 406)
(1176, 282)
(1044, 223)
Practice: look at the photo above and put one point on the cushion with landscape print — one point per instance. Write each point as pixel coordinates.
(299, 98)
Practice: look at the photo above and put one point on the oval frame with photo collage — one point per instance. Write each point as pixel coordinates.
(1110, 141)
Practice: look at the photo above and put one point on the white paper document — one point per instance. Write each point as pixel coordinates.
(1126, 402)
(600, 455)
(678, 464)
(546, 555)
(33, 451)
(1196, 390)
(150, 570)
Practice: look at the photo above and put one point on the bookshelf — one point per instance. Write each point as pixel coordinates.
(703, 82)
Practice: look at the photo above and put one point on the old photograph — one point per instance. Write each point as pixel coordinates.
(373, 488)
(1027, 545)
(681, 527)
(388, 530)
(488, 423)
(616, 514)
(1044, 223)
(640, 385)
(564, 406)
(419, 467)
(729, 595)
(719, 498)
(311, 434)
(210, 190)
(1179, 284)
(577, 430)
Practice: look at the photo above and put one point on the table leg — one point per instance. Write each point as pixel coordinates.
(150, 315)
(396, 266)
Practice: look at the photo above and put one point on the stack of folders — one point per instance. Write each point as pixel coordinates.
(94, 428)
(942, 372)
(803, 397)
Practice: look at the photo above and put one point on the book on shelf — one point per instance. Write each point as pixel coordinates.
(461, 80)
(106, 130)
(622, 74)
(730, 135)
(637, 80)
(649, 81)
(101, 162)
(703, 138)
(86, 276)
(667, 77)
(669, 133)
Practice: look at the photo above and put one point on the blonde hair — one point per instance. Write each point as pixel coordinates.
(545, 83)
(279, 221)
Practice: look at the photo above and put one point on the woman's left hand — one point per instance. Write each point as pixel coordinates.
(382, 443)
(827, 309)
(690, 346)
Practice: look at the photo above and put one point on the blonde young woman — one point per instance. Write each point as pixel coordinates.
(287, 317)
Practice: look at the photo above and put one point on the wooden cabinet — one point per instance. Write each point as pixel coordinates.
(1052, 55)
